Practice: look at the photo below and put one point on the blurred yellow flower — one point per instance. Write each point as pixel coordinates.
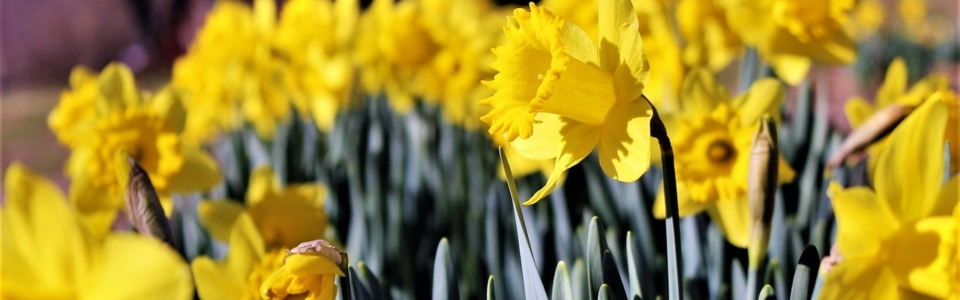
(563, 97)
(247, 265)
(308, 272)
(709, 41)
(231, 74)
(899, 238)
(48, 253)
(893, 91)
(321, 66)
(924, 27)
(711, 143)
(284, 217)
(866, 19)
(789, 34)
(393, 46)
(116, 117)
(73, 115)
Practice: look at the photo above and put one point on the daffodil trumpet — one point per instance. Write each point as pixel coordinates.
(659, 131)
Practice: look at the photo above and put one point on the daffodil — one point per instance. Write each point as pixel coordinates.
(893, 91)
(247, 265)
(118, 118)
(309, 271)
(72, 116)
(899, 238)
(659, 38)
(711, 140)
(284, 216)
(558, 95)
(231, 73)
(791, 34)
(49, 253)
(709, 40)
(320, 63)
(393, 47)
(866, 19)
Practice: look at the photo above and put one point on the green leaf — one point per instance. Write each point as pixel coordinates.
(491, 294)
(596, 246)
(605, 293)
(532, 286)
(767, 293)
(806, 274)
(562, 289)
(444, 278)
(738, 284)
(611, 275)
(370, 281)
(578, 278)
(633, 273)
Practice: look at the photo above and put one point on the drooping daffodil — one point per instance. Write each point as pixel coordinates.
(711, 139)
(899, 238)
(50, 253)
(560, 96)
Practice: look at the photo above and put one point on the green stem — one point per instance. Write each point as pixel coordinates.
(674, 263)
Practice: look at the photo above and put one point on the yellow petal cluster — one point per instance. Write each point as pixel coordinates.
(791, 34)
(899, 238)
(308, 272)
(284, 216)
(711, 140)
(106, 113)
(48, 252)
(560, 96)
(893, 91)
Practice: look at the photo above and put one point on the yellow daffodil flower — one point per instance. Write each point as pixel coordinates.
(393, 46)
(321, 65)
(659, 39)
(231, 74)
(558, 95)
(709, 41)
(117, 118)
(284, 216)
(899, 238)
(247, 265)
(866, 19)
(790, 34)
(309, 271)
(49, 253)
(711, 142)
(892, 91)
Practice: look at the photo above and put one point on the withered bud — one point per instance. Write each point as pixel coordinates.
(323, 248)
(143, 205)
(761, 188)
(873, 129)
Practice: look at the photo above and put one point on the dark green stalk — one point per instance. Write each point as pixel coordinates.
(674, 263)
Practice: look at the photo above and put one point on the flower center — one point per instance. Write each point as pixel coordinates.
(721, 152)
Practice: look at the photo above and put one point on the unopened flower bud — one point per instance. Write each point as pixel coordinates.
(761, 189)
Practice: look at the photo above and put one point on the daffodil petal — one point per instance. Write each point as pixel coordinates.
(910, 167)
(633, 71)
(169, 104)
(288, 220)
(311, 264)
(215, 281)
(578, 141)
(863, 221)
(612, 16)
(859, 279)
(117, 89)
(246, 246)
(198, 173)
(701, 93)
(923, 255)
(733, 219)
(791, 68)
(578, 44)
(764, 97)
(124, 273)
(43, 242)
(624, 148)
(836, 49)
(96, 206)
(894, 84)
(686, 205)
(218, 217)
(857, 111)
(545, 141)
(262, 183)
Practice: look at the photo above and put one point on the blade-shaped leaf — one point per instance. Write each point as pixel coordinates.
(491, 294)
(604, 293)
(532, 286)
(767, 293)
(562, 289)
(633, 273)
(611, 275)
(806, 274)
(596, 246)
(444, 278)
